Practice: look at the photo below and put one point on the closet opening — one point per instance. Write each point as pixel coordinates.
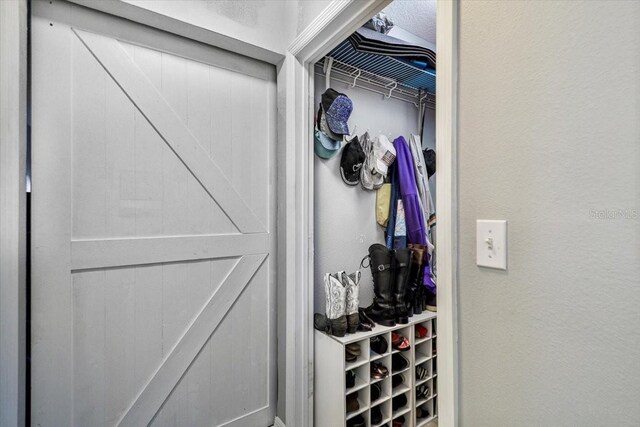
(374, 220)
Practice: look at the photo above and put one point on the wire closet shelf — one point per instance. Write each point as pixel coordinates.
(331, 68)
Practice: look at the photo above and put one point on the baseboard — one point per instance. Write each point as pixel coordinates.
(278, 422)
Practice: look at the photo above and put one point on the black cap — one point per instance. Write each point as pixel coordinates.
(430, 161)
(351, 162)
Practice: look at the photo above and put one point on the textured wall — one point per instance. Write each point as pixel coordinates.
(548, 131)
(416, 16)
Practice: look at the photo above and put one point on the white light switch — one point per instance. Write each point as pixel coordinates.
(491, 243)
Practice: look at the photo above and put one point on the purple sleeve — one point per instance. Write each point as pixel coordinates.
(416, 230)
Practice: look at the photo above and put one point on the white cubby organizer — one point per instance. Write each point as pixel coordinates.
(330, 392)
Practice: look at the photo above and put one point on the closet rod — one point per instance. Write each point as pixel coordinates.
(428, 99)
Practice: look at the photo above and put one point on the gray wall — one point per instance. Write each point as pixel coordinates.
(549, 130)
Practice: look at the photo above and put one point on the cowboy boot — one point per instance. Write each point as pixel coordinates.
(402, 268)
(382, 310)
(336, 295)
(351, 283)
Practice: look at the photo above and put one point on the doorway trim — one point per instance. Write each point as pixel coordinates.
(13, 211)
(335, 23)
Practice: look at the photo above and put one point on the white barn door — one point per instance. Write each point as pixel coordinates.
(153, 270)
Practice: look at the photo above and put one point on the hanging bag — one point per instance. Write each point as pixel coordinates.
(383, 204)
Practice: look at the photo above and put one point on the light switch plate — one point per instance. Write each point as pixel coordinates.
(491, 243)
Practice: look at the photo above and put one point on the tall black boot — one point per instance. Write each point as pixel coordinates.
(418, 252)
(382, 311)
(402, 268)
(412, 288)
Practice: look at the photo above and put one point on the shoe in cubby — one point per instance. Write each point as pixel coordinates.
(380, 369)
(359, 420)
(422, 331)
(357, 403)
(424, 392)
(400, 404)
(356, 354)
(400, 421)
(380, 414)
(398, 380)
(400, 383)
(380, 391)
(401, 340)
(423, 372)
(399, 363)
(424, 413)
(357, 378)
(379, 345)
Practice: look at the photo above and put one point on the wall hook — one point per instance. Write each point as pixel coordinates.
(356, 77)
(326, 67)
(393, 86)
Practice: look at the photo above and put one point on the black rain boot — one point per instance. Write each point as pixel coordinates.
(402, 268)
(382, 310)
(418, 263)
(412, 288)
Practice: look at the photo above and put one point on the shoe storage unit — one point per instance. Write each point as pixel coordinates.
(418, 383)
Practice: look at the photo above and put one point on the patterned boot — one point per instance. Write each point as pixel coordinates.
(351, 283)
(336, 295)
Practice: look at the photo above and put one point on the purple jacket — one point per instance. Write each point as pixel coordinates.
(414, 217)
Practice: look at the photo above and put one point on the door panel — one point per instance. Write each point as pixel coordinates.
(153, 292)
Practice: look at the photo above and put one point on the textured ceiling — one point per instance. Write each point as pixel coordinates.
(416, 16)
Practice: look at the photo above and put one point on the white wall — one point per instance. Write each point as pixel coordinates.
(307, 11)
(271, 25)
(549, 130)
(345, 224)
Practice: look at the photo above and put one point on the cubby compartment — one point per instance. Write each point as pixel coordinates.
(423, 372)
(383, 417)
(400, 363)
(425, 413)
(423, 352)
(354, 421)
(362, 397)
(424, 392)
(361, 359)
(421, 327)
(403, 333)
(401, 387)
(375, 344)
(384, 362)
(384, 387)
(404, 418)
(361, 378)
(401, 404)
